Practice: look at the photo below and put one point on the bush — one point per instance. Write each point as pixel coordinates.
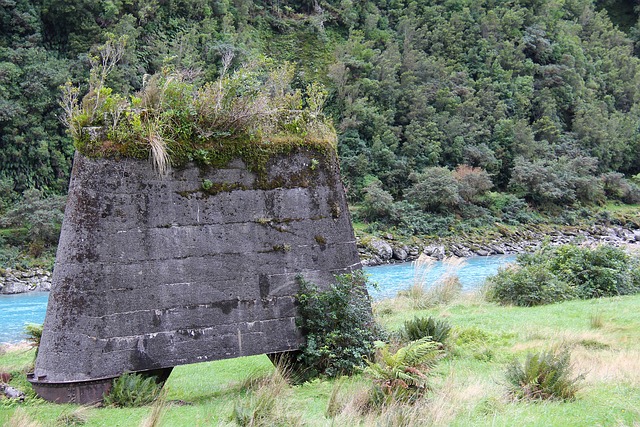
(426, 327)
(434, 190)
(472, 182)
(132, 390)
(592, 272)
(338, 326)
(599, 272)
(511, 209)
(564, 272)
(618, 188)
(377, 203)
(544, 376)
(42, 216)
(409, 217)
(527, 286)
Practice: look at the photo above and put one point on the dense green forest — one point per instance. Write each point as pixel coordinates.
(446, 110)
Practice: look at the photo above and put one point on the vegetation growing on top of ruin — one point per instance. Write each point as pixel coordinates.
(251, 112)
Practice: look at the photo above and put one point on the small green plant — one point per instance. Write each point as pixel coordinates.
(426, 327)
(402, 376)
(207, 184)
(543, 376)
(132, 390)
(338, 326)
(33, 331)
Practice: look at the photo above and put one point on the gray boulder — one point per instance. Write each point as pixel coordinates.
(382, 249)
(400, 253)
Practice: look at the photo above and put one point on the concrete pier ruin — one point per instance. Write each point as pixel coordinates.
(153, 272)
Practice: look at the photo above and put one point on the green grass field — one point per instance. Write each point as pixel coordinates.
(467, 386)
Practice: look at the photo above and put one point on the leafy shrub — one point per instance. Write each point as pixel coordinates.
(554, 274)
(592, 272)
(562, 179)
(544, 376)
(527, 286)
(408, 216)
(426, 327)
(472, 182)
(510, 208)
(42, 216)
(377, 203)
(402, 376)
(618, 188)
(434, 190)
(338, 326)
(132, 390)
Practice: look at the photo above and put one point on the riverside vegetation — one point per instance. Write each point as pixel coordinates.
(568, 363)
(450, 116)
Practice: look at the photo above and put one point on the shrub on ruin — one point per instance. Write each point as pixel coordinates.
(337, 324)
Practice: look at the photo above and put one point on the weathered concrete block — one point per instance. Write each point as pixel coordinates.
(156, 272)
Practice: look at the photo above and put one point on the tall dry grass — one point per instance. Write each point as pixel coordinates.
(438, 408)
(443, 291)
(265, 403)
(21, 419)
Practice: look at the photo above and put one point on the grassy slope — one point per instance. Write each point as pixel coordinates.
(467, 386)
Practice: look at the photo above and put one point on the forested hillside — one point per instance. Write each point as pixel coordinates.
(445, 110)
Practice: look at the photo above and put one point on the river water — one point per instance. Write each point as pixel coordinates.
(16, 310)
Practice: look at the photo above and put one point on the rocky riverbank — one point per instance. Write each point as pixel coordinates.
(17, 282)
(387, 249)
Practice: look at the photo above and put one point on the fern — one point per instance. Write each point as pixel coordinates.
(403, 375)
(544, 376)
(422, 327)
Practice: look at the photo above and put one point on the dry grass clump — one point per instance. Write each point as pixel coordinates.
(437, 408)
(596, 321)
(608, 365)
(21, 419)
(443, 291)
(265, 403)
(158, 410)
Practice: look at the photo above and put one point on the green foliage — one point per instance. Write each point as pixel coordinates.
(132, 390)
(40, 215)
(554, 274)
(435, 189)
(337, 324)
(544, 376)
(377, 203)
(426, 327)
(527, 286)
(245, 113)
(33, 331)
(402, 376)
(540, 95)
